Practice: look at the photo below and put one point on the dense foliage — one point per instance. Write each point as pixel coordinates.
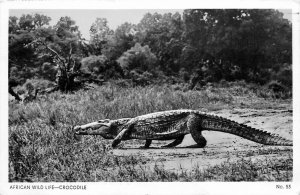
(199, 46)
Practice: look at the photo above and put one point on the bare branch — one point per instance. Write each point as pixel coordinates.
(39, 41)
(70, 56)
(70, 53)
(53, 51)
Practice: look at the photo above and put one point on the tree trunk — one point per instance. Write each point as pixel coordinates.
(65, 80)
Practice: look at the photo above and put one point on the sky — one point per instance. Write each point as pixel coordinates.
(85, 18)
(115, 17)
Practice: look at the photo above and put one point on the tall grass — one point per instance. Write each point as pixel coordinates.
(42, 147)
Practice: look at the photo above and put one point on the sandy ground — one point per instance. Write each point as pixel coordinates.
(220, 146)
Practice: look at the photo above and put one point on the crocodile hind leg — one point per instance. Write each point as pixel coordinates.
(199, 139)
(195, 128)
(176, 142)
(147, 144)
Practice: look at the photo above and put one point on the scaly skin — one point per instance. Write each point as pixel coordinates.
(175, 124)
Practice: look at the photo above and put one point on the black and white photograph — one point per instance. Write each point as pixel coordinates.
(191, 95)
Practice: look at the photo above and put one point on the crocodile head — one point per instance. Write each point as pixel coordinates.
(106, 128)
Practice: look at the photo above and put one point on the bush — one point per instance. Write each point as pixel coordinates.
(39, 83)
(94, 64)
(101, 68)
(32, 84)
(284, 75)
(138, 57)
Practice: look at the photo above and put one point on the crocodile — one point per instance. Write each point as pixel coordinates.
(174, 125)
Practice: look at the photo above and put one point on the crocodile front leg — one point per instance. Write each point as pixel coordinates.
(123, 135)
(119, 137)
(174, 143)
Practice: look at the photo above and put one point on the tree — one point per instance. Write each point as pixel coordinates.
(23, 63)
(122, 39)
(100, 33)
(163, 35)
(231, 40)
(202, 45)
(32, 22)
(62, 44)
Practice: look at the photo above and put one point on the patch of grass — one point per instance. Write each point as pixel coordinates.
(247, 170)
(42, 147)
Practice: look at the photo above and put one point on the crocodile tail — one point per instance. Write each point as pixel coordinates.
(216, 123)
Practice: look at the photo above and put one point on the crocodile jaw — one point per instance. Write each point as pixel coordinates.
(94, 128)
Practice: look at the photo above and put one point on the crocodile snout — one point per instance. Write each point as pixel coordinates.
(78, 130)
(77, 133)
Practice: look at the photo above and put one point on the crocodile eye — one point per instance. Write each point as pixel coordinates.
(104, 121)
